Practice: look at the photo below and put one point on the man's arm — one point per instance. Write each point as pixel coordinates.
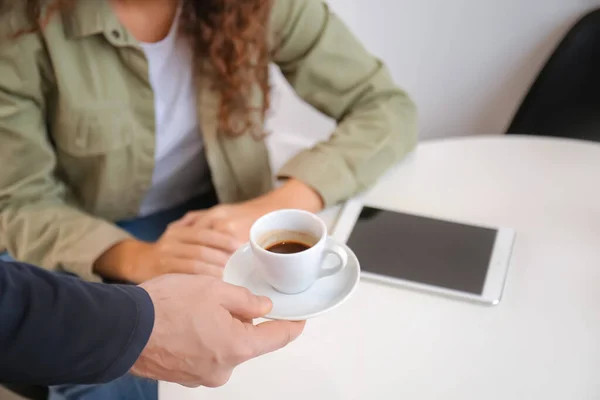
(58, 329)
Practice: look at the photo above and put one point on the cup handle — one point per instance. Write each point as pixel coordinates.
(333, 248)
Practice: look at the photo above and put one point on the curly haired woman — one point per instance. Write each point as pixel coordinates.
(131, 131)
(118, 117)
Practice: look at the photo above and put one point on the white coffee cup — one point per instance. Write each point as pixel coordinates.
(293, 273)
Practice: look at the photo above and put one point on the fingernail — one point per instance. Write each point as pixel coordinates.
(265, 304)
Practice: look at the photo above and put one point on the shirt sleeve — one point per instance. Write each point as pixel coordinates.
(57, 329)
(332, 71)
(40, 223)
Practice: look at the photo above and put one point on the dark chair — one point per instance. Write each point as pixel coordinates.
(29, 392)
(565, 98)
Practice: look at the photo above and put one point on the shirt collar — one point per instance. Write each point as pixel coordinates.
(90, 17)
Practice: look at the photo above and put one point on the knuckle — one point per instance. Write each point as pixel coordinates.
(218, 379)
(190, 214)
(217, 211)
(248, 295)
(225, 225)
(229, 225)
(225, 208)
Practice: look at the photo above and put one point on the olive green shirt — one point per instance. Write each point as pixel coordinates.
(77, 127)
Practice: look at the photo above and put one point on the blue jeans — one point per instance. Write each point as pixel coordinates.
(129, 387)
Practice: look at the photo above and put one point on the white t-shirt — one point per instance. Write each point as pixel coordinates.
(180, 171)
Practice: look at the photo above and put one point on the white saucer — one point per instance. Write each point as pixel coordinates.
(326, 293)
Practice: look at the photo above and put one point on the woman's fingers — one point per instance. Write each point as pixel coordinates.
(193, 267)
(189, 219)
(206, 237)
(205, 254)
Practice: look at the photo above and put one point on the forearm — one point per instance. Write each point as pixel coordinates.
(364, 145)
(330, 69)
(293, 193)
(58, 329)
(120, 262)
(59, 237)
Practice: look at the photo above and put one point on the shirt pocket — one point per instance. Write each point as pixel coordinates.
(96, 158)
(84, 133)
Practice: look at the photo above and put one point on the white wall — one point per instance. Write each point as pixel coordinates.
(467, 63)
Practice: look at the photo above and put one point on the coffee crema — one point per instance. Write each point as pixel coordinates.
(288, 247)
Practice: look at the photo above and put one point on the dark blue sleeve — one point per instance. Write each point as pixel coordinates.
(57, 329)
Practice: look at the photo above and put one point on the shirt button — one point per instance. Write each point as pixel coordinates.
(116, 34)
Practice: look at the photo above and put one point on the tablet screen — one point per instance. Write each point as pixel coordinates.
(423, 250)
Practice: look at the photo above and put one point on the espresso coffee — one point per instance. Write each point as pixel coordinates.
(288, 247)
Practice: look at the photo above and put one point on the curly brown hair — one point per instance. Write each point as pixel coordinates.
(231, 34)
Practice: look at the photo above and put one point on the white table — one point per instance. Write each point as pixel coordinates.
(541, 342)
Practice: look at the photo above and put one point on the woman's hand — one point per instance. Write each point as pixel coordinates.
(202, 241)
(230, 219)
(181, 249)
(237, 219)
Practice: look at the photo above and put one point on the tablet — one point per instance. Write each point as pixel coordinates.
(419, 252)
